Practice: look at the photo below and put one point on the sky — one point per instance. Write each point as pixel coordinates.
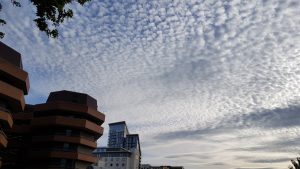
(208, 84)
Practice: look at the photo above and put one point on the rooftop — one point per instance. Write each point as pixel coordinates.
(117, 123)
(110, 150)
(10, 55)
(75, 97)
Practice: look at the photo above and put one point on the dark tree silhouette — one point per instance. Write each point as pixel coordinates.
(49, 14)
(295, 164)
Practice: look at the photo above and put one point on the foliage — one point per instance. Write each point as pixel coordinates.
(295, 164)
(49, 14)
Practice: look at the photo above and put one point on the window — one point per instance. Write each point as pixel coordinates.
(123, 164)
(66, 146)
(111, 164)
(63, 162)
(68, 132)
(117, 164)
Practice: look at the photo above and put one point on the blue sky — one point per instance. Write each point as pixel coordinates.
(206, 84)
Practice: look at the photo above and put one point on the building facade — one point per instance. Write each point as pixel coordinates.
(123, 150)
(19, 141)
(14, 84)
(113, 158)
(117, 134)
(65, 130)
(58, 134)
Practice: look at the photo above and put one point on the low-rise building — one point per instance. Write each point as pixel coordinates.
(145, 166)
(148, 166)
(111, 158)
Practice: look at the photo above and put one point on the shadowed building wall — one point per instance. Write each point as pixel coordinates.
(64, 131)
(60, 133)
(14, 84)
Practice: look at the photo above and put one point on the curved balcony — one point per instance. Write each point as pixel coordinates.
(13, 95)
(71, 122)
(14, 75)
(63, 153)
(20, 129)
(77, 139)
(3, 139)
(6, 119)
(71, 108)
(22, 116)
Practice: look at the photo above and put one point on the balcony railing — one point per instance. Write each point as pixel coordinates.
(2, 133)
(5, 110)
(68, 134)
(58, 166)
(62, 149)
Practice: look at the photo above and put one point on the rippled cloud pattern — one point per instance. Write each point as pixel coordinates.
(206, 83)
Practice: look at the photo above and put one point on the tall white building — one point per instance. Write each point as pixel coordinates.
(123, 150)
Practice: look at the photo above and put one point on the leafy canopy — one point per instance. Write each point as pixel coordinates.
(296, 164)
(49, 14)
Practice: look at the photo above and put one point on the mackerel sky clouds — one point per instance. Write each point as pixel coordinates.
(206, 83)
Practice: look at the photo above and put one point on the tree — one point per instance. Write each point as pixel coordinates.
(49, 14)
(295, 164)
